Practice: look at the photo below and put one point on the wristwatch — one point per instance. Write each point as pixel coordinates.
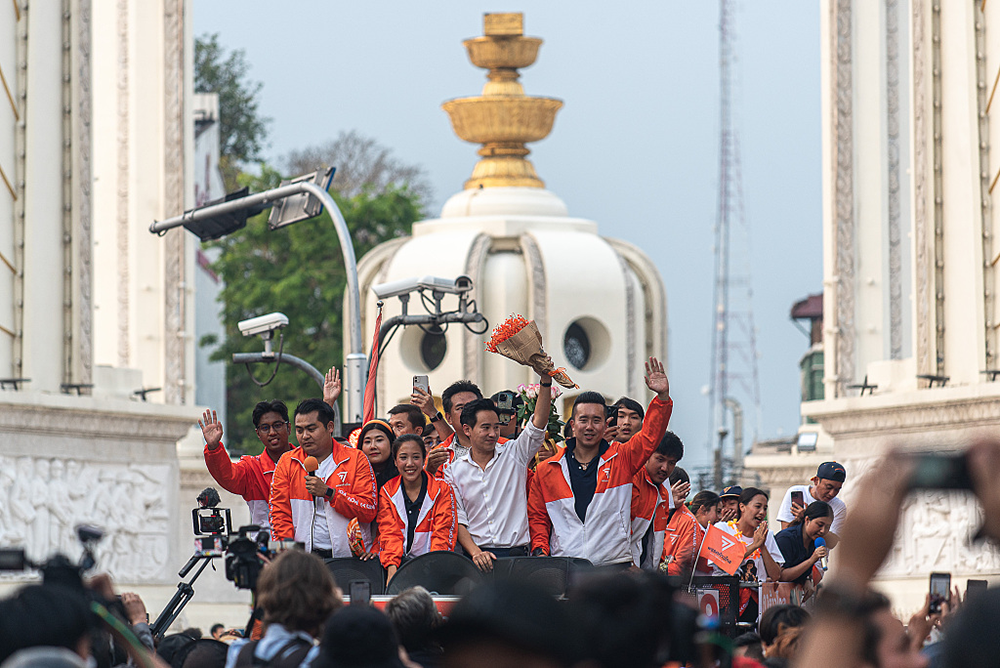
(438, 417)
(329, 493)
(549, 384)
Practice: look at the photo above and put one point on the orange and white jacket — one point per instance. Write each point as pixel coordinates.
(681, 542)
(437, 523)
(293, 508)
(606, 536)
(650, 503)
(250, 478)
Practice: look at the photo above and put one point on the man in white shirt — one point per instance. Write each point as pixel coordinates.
(826, 485)
(490, 481)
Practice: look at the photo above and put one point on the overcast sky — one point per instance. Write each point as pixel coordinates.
(635, 147)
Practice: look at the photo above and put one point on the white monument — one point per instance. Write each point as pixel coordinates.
(599, 303)
(911, 148)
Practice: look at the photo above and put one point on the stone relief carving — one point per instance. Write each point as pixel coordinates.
(844, 193)
(892, 159)
(175, 318)
(43, 499)
(934, 534)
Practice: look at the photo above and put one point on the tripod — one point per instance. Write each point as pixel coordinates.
(184, 593)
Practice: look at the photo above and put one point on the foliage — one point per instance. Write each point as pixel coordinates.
(242, 130)
(299, 271)
(362, 163)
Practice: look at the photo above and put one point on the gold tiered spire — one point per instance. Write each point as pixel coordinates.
(503, 119)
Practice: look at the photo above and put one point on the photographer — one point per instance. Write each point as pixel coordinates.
(296, 594)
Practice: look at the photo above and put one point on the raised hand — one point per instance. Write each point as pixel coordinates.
(760, 535)
(424, 401)
(656, 379)
(332, 386)
(211, 429)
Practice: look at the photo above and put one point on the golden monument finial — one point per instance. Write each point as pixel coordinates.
(503, 119)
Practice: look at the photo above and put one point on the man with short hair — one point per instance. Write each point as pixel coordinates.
(454, 442)
(652, 502)
(490, 478)
(580, 497)
(628, 418)
(316, 508)
(250, 477)
(406, 419)
(826, 485)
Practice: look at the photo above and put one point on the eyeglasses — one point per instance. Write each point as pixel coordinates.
(277, 426)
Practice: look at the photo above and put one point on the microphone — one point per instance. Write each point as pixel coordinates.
(311, 465)
(823, 561)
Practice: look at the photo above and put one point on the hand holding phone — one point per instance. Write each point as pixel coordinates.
(940, 590)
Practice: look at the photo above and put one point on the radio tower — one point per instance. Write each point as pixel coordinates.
(735, 382)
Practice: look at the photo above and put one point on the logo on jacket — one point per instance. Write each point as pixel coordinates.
(343, 476)
(606, 473)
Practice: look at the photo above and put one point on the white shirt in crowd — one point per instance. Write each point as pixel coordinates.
(785, 509)
(320, 529)
(492, 503)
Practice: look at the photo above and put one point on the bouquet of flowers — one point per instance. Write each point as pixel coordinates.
(529, 397)
(519, 339)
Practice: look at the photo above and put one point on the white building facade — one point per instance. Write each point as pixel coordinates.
(911, 147)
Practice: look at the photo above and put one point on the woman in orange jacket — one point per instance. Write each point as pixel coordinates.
(416, 512)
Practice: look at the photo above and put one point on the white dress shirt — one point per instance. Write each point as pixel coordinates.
(320, 529)
(492, 503)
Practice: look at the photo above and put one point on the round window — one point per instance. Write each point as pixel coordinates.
(433, 347)
(576, 346)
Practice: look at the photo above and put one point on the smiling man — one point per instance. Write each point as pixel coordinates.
(250, 477)
(652, 502)
(580, 499)
(315, 508)
(826, 485)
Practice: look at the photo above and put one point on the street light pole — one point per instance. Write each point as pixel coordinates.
(354, 372)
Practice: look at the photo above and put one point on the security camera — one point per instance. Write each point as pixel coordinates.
(263, 324)
(396, 288)
(454, 286)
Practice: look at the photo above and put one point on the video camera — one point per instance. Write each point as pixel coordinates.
(57, 569)
(244, 549)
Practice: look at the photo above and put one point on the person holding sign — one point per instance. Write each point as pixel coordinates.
(762, 559)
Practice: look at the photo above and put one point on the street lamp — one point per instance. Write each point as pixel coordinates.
(293, 201)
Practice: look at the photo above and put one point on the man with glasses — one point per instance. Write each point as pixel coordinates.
(250, 477)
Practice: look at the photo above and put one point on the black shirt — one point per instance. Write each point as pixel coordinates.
(582, 480)
(387, 473)
(790, 543)
(413, 510)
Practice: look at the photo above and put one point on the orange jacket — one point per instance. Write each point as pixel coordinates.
(683, 538)
(605, 538)
(437, 522)
(650, 505)
(293, 508)
(250, 478)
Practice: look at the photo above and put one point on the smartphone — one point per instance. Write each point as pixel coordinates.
(423, 382)
(974, 588)
(940, 590)
(611, 413)
(360, 592)
(797, 497)
(505, 406)
(940, 470)
(209, 546)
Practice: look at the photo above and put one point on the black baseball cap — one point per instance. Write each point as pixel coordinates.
(732, 490)
(831, 471)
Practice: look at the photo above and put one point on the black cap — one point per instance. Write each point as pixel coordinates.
(358, 636)
(831, 471)
(732, 490)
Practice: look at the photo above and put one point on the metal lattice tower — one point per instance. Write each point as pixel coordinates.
(735, 382)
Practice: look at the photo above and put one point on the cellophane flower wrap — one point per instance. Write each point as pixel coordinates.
(518, 339)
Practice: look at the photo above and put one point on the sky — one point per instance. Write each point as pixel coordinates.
(634, 148)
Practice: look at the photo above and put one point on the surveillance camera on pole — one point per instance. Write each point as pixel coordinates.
(265, 326)
(452, 286)
(438, 287)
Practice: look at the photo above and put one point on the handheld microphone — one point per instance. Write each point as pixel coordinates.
(823, 561)
(312, 464)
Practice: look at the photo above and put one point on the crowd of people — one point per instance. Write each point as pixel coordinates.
(488, 479)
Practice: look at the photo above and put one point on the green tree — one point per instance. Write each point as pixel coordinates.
(298, 271)
(242, 130)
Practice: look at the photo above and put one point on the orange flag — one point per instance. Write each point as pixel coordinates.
(723, 550)
(369, 402)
